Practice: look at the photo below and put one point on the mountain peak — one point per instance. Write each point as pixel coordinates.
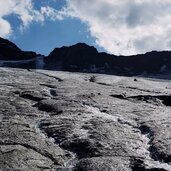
(9, 51)
(82, 45)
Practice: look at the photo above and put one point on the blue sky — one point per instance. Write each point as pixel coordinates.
(118, 27)
(44, 37)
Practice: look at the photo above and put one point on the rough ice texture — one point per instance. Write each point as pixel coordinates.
(60, 121)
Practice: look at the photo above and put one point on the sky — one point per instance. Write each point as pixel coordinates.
(120, 27)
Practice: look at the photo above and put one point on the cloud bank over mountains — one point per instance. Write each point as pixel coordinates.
(126, 27)
(121, 27)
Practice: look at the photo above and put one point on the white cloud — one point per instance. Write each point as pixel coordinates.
(126, 26)
(26, 12)
(119, 26)
(51, 13)
(5, 28)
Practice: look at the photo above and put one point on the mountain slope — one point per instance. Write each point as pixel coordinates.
(9, 51)
(84, 58)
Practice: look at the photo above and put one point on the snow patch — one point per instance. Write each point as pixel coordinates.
(96, 112)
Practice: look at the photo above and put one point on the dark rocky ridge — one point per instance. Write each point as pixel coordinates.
(84, 58)
(9, 51)
(61, 121)
(12, 56)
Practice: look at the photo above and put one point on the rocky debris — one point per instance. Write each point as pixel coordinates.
(58, 121)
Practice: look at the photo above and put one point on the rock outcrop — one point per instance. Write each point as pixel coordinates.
(60, 121)
(9, 51)
(84, 58)
(78, 57)
(14, 57)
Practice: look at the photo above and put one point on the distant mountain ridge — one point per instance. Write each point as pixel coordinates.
(84, 58)
(13, 56)
(9, 51)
